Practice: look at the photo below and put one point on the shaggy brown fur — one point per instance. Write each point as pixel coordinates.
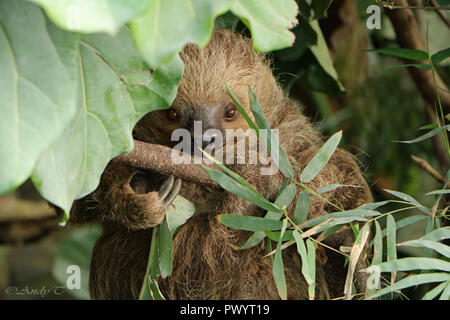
(206, 265)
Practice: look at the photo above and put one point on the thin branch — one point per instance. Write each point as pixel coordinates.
(425, 166)
(159, 158)
(440, 13)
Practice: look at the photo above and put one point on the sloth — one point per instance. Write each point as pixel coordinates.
(206, 265)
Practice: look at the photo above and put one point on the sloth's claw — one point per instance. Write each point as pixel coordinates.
(165, 188)
(173, 193)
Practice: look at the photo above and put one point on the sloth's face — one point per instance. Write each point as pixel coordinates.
(204, 121)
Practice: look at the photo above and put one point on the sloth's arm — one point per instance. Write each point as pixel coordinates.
(129, 196)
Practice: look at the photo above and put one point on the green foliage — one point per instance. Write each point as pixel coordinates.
(91, 88)
(76, 249)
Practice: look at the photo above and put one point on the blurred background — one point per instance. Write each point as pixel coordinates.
(380, 105)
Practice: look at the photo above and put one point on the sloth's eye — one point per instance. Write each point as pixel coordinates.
(172, 114)
(230, 112)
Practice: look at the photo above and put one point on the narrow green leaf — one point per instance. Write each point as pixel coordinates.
(232, 186)
(391, 238)
(374, 205)
(378, 245)
(357, 249)
(440, 56)
(154, 290)
(275, 235)
(301, 248)
(301, 208)
(436, 246)
(231, 173)
(440, 191)
(322, 54)
(321, 158)
(330, 187)
(438, 234)
(409, 199)
(413, 280)
(254, 239)
(356, 213)
(422, 66)
(165, 249)
(433, 293)
(152, 267)
(446, 294)
(278, 268)
(427, 135)
(406, 222)
(242, 111)
(272, 143)
(410, 54)
(285, 198)
(414, 263)
(249, 223)
(312, 268)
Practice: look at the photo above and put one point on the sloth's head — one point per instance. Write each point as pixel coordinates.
(202, 97)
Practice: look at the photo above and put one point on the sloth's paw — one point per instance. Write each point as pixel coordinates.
(153, 194)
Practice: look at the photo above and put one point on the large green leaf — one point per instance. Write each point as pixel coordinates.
(37, 94)
(114, 90)
(269, 21)
(92, 15)
(167, 25)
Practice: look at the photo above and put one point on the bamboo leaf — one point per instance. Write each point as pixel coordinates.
(272, 143)
(321, 158)
(441, 191)
(446, 294)
(410, 54)
(409, 199)
(242, 111)
(413, 280)
(165, 249)
(436, 246)
(414, 263)
(440, 56)
(427, 135)
(438, 234)
(378, 245)
(278, 268)
(244, 192)
(390, 242)
(357, 249)
(249, 223)
(285, 198)
(422, 66)
(301, 208)
(331, 187)
(433, 293)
